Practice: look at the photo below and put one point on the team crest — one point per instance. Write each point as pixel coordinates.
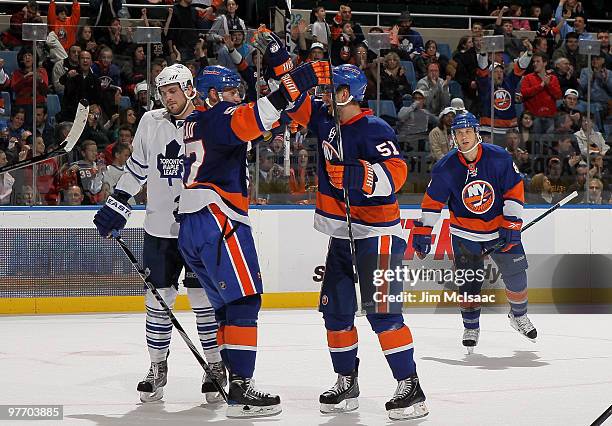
(502, 99)
(478, 196)
(170, 165)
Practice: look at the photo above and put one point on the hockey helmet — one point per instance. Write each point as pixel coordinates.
(218, 78)
(176, 74)
(351, 76)
(465, 120)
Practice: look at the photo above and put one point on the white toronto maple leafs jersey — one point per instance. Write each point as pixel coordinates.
(157, 160)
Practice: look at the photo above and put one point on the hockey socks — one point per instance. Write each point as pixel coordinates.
(470, 313)
(158, 325)
(206, 323)
(397, 347)
(342, 346)
(516, 291)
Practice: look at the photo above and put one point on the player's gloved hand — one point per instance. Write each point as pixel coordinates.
(304, 78)
(421, 239)
(351, 174)
(510, 233)
(277, 57)
(114, 215)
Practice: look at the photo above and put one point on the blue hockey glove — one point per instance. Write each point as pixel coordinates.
(353, 174)
(510, 233)
(421, 239)
(114, 215)
(304, 78)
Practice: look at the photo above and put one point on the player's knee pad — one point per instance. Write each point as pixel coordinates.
(337, 322)
(243, 311)
(198, 298)
(167, 293)
(385, 322)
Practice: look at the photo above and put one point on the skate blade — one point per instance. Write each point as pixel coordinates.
(521, 333)
(470, 349)
(152, 396)
(415, 411)
(239, 411)
(213, 397)
(348, 405)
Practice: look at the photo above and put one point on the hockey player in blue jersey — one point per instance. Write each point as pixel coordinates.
(485, 196)
(372, 171)
(215, 236)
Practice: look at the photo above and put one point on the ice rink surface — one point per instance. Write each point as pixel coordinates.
(92, 363)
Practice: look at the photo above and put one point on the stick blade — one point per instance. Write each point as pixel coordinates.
(80, 119)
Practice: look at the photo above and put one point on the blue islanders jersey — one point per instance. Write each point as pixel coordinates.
(216, 142)
(480, 195)
(504, 109)
(364, 137)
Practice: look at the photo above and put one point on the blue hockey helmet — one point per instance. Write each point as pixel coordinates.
(351, 76)
(465, 120)
(218, 78)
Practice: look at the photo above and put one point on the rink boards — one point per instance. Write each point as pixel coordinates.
(569, 253)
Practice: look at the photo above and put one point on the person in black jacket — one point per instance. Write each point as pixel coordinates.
(465, 75)
(82, 85)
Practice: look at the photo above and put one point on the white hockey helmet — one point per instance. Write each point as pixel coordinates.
(176, 74)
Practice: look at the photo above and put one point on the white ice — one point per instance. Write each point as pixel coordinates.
(92, 363)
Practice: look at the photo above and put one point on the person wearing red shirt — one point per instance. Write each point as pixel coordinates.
(64, 26)
(540, 90)
(21, 82)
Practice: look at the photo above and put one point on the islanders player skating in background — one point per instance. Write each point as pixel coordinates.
(485, 196)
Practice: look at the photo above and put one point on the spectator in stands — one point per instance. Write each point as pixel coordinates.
(81, 85)
(43, 127)
(142, 103)
(6, 182)
(29, 14)
(361, 59)
(564, 71)
(580, 23)
(61, 132)
(271, 178)
(569, 104)
(393, 81)
(229, 21)
(236, 41)
(513, 46)
(437, 95)
(466, 65)
(53, 51)
(89, 171)
(22, 78)
(587, 135)
(115, 40)
(604, 38)
(317, 52)
(598, 170)
(107, 72)
(109, 106)
(557, 181)
(540, 91)
(414, 123)
(343, 44)
(102, 15)
(206, 16)
(439, 137)
(405, 41)
(428, 56)
(601, 82)
(46, 172)
(596, 191)
(562, 124)
(345, 15)
(73, 196)
(540, 190)
(125, 136)
(547, 29)
(525, 126)
(539, 45)
(128, 117)
(477, 29)
(93, 130)
(120, 153)
(570, 51)
(319, 26)
(569, 154)
(25, 197)
(5, 82)
(64, 26)
(68, 65)
(303, 176)
(516, 11)
(580, 180)
(86, 40)
(135, 70)
(181, 36)
(572, 8)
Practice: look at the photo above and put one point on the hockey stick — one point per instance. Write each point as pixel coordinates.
(564, 201)
(145, 277)
(604, 416)
(347, 204)
(80, 119)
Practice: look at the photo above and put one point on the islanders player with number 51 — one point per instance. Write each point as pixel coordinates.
(485, 196)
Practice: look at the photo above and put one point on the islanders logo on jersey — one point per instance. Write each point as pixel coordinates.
(478, 196)
(502, 99)
(170, 164)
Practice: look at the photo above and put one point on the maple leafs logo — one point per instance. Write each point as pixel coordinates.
(170, 165)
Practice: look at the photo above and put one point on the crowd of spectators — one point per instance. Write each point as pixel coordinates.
(539, 109)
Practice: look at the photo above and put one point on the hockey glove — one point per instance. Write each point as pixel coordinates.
(304, 78)
(510, 233)
(421, 239)
(275, 55)
(355, 174)
(114, 215)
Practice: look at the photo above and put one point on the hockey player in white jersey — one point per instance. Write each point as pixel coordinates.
(157, 160)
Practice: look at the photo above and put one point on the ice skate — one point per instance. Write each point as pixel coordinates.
(342, 397)
(408, 402)
(470, 339)
(524, 326)
(245, 401)
(209, 390)
(152, 387)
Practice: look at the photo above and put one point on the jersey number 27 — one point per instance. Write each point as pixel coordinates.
(194, 157)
